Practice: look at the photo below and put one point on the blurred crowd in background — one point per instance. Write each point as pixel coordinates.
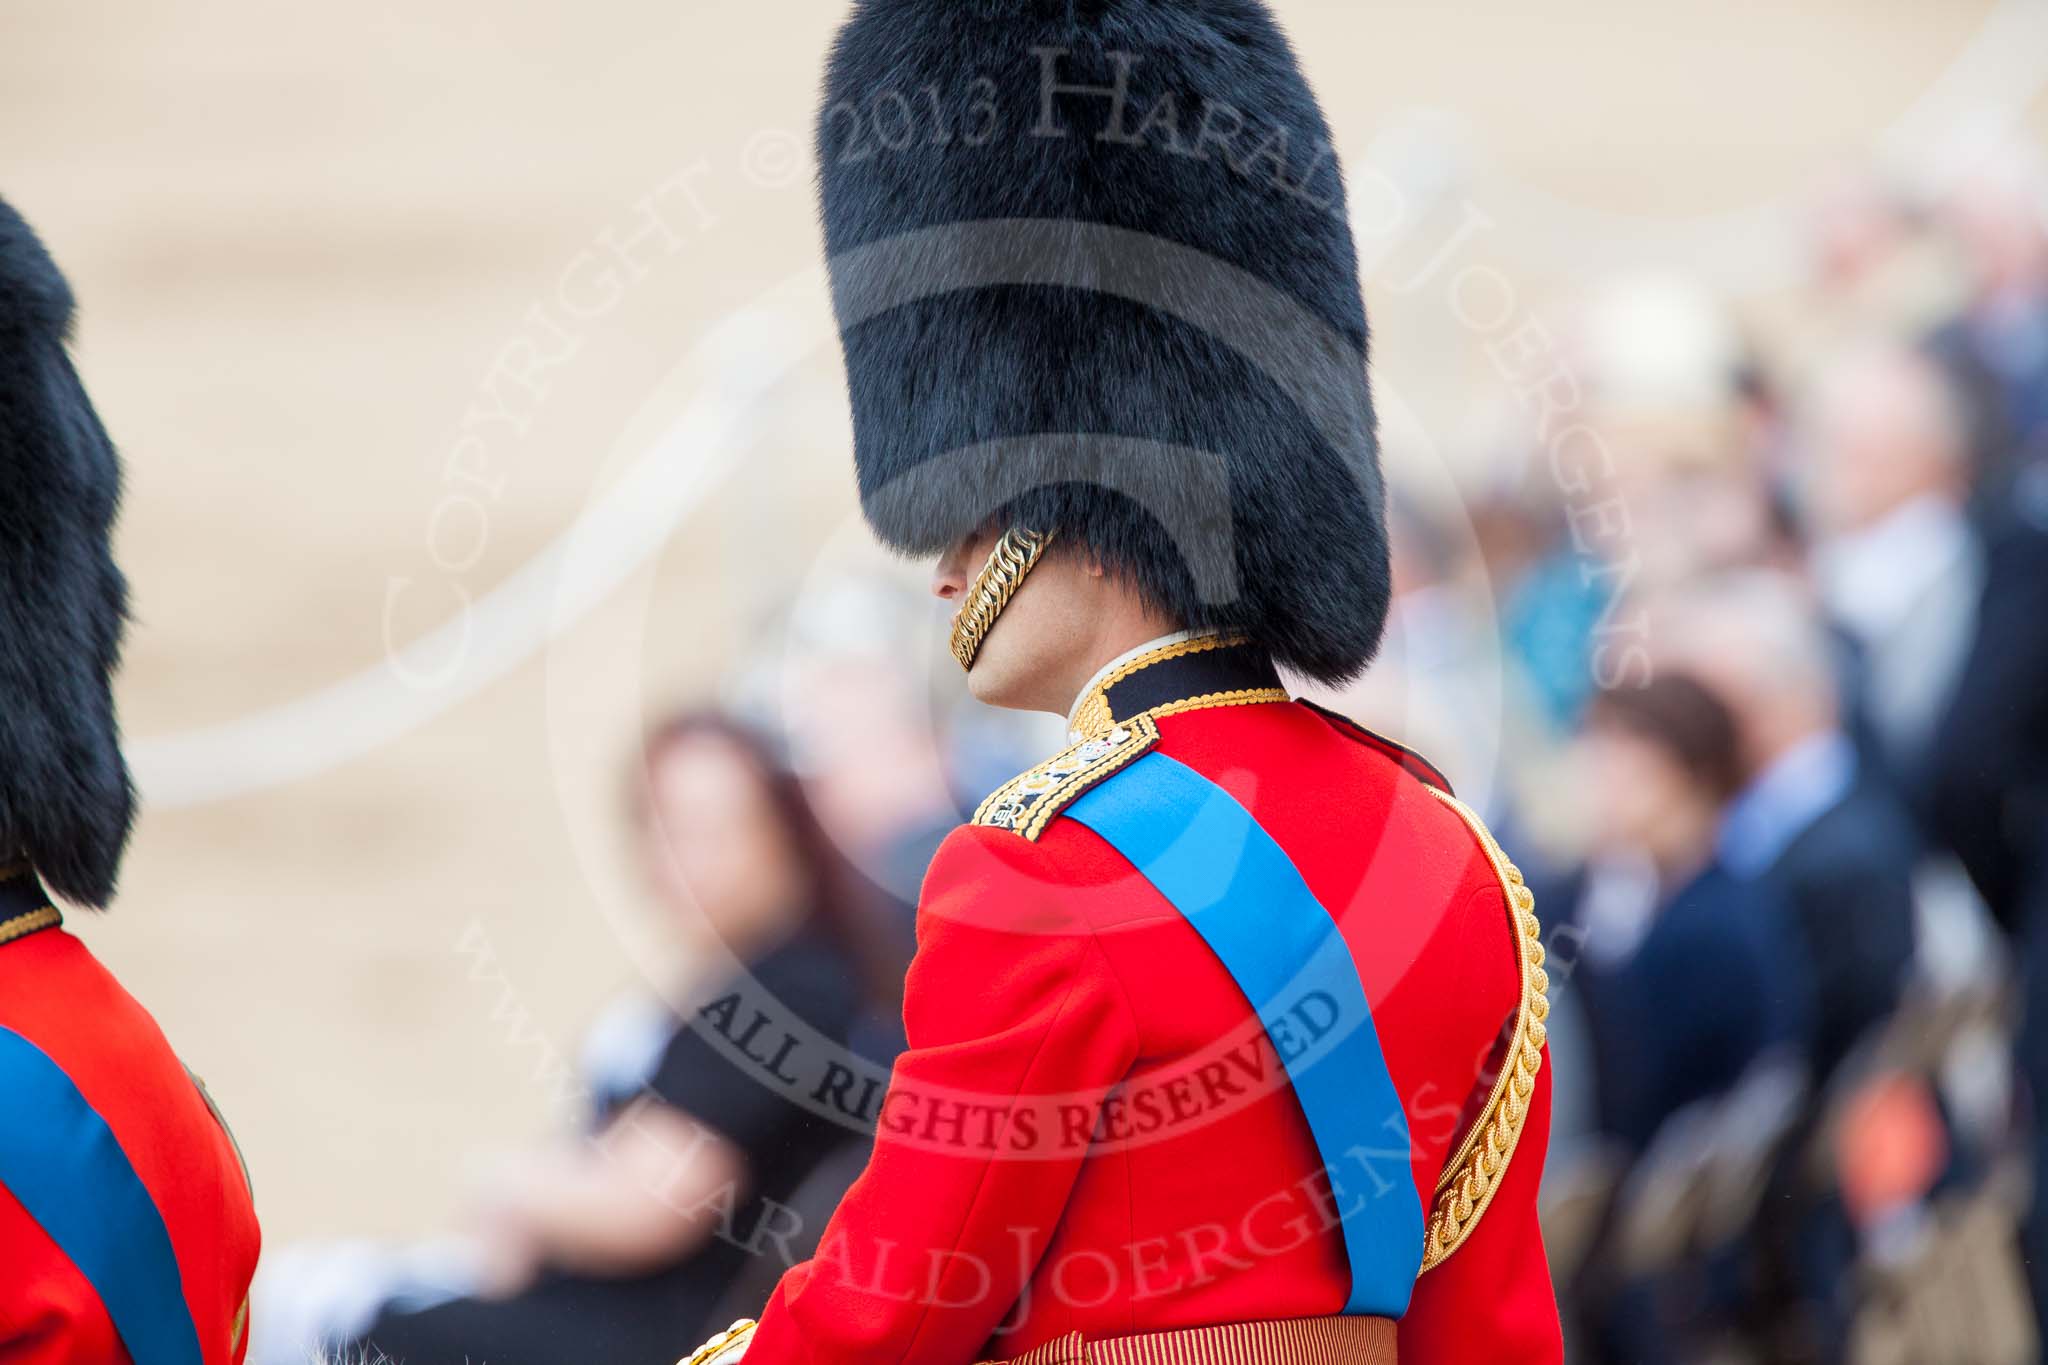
(1776, 640)
(1768, 619)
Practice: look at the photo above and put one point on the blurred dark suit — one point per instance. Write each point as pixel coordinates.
(1988, 795)
(1989, 784)
(1717, 979)
(1848, 881)
(2007, 399)
(1840, 850)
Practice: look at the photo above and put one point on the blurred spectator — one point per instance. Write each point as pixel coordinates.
(1708, 519)
(1688, 973)
(1839, 847)
(1810, 818)
(1551, 597)
(1990, 790)
(1437, 678)
(1876, 267)
(888, 763)
(1990, 772)
(619, 1244)
(1997, 349)
(1898, 562)
(847, 680)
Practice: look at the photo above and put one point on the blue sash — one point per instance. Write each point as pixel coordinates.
(1209, 857)
(59, 1158)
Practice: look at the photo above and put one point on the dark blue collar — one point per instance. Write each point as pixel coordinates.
(1182, 673)
(24, 907)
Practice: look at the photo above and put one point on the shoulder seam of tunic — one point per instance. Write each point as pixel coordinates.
(1409, 761)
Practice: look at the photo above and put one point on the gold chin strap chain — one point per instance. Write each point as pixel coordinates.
(1014, 556)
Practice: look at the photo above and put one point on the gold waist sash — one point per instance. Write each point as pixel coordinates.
(1293, 1341)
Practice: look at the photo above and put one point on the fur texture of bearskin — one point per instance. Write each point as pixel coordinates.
(65, 795)
(1130, 314)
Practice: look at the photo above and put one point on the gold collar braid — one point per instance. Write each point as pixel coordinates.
(24, 907)
(1016, 553)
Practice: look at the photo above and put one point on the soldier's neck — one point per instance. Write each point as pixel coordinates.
(1074, 636)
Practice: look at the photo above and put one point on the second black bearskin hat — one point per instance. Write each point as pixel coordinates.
(1094, 275)
(66, 801)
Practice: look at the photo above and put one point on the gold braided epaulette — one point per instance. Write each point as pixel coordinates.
(1027, 803)
(724, 1348)
(1475, 1169)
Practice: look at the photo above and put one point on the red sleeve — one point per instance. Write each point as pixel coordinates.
(1491, 1300)
(49, 1312)
(1017, 1029)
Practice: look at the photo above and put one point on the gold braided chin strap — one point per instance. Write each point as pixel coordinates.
(1016, 553)
(1473, 1173)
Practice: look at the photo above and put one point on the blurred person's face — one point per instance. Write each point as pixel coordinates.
(2000, 228)
(869, 747)
(1643, 800)
(717, 852)
(1067, 619)
(1707, 520)
(1876, 446)
(847, 706)
(1411, 567)
(1859, 475)
(1778, 698)
(1507, 539)
(1855, 230)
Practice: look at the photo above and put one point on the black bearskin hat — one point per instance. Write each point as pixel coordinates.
(65, 796)
(1094, 275)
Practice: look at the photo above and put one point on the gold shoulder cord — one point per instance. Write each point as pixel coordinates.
(1473, 1173)
(241, 1319)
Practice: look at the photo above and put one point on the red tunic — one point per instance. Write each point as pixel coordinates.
(56, 996)
(1089, 1132)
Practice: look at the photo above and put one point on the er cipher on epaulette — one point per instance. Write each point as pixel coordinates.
(1029, 802)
